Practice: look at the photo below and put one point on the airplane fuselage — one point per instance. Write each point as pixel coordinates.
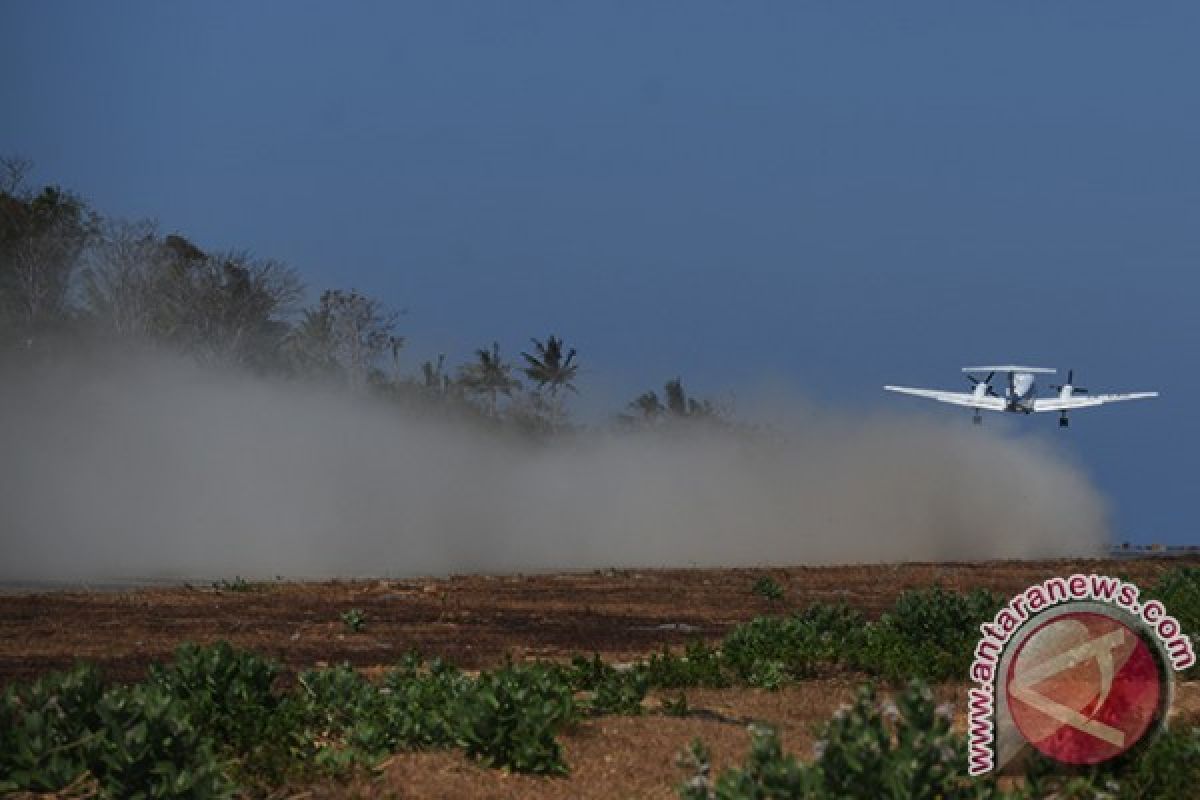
(1021, 391)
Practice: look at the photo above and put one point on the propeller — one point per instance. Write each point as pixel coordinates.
(1070, 382)
(986, 382)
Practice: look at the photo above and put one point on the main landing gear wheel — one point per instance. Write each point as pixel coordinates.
(1062, 421)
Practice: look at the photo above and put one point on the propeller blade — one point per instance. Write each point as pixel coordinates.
(1058, 387)
(985, 382)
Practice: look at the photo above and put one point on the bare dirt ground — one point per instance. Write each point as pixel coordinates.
(472, 620)
(475, 621)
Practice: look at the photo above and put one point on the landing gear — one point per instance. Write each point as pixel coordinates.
(978, 418)
(1062, 420)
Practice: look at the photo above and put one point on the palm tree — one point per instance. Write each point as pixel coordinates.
(680, 405)
(489, 376)
(675, 404)
(677, 399)
(548, 368)
(435, 378)
(648, 405)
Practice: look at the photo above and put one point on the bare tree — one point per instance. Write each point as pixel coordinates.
(349, 333)
(223, 306)
(119, 279)
(13, 172)
(41, 239)
(243, 303)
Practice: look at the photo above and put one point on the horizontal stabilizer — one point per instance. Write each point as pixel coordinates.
(1011, 368)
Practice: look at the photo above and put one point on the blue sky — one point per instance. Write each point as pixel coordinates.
(829, 195)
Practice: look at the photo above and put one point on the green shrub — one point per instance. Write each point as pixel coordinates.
(833, 633)
(929, 634)
(224, 691)
(334, 699)
(134, 742)
(766, 588)
(418, 705)
(699, 666)
(1168, 769)
(47, 728)
(613, 690)
(228, 695)
(148, 747)
(238, 584)
(358, 723)
(900, 751)
(355, 619)
(1179, 591)
(761, 651)
(769, 651)
(768, 773)
(509, 718)
(214, 713)
(697, 760)
(585, 674)
(621, 692)
(906, 749)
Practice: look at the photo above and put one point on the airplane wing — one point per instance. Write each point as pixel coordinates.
(1085, 401)
(966, 399)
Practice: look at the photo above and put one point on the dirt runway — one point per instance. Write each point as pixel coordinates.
(472, 620)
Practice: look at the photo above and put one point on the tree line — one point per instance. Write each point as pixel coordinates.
(70, 275)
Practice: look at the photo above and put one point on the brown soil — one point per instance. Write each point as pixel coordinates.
(639, 757)
(627, 756)
(474, 621)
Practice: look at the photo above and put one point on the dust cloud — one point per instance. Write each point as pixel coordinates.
(120, 468)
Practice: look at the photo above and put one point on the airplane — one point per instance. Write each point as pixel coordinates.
(1020, 396)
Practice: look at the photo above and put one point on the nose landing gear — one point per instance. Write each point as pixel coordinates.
(1062, 420)
(978, 418)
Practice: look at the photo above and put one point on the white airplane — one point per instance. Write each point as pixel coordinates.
(1020, 395)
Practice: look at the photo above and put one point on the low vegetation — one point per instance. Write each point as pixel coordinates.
(1179, 591)
(901, 749)
(355, 620)
(218, 721)
(905, 748)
